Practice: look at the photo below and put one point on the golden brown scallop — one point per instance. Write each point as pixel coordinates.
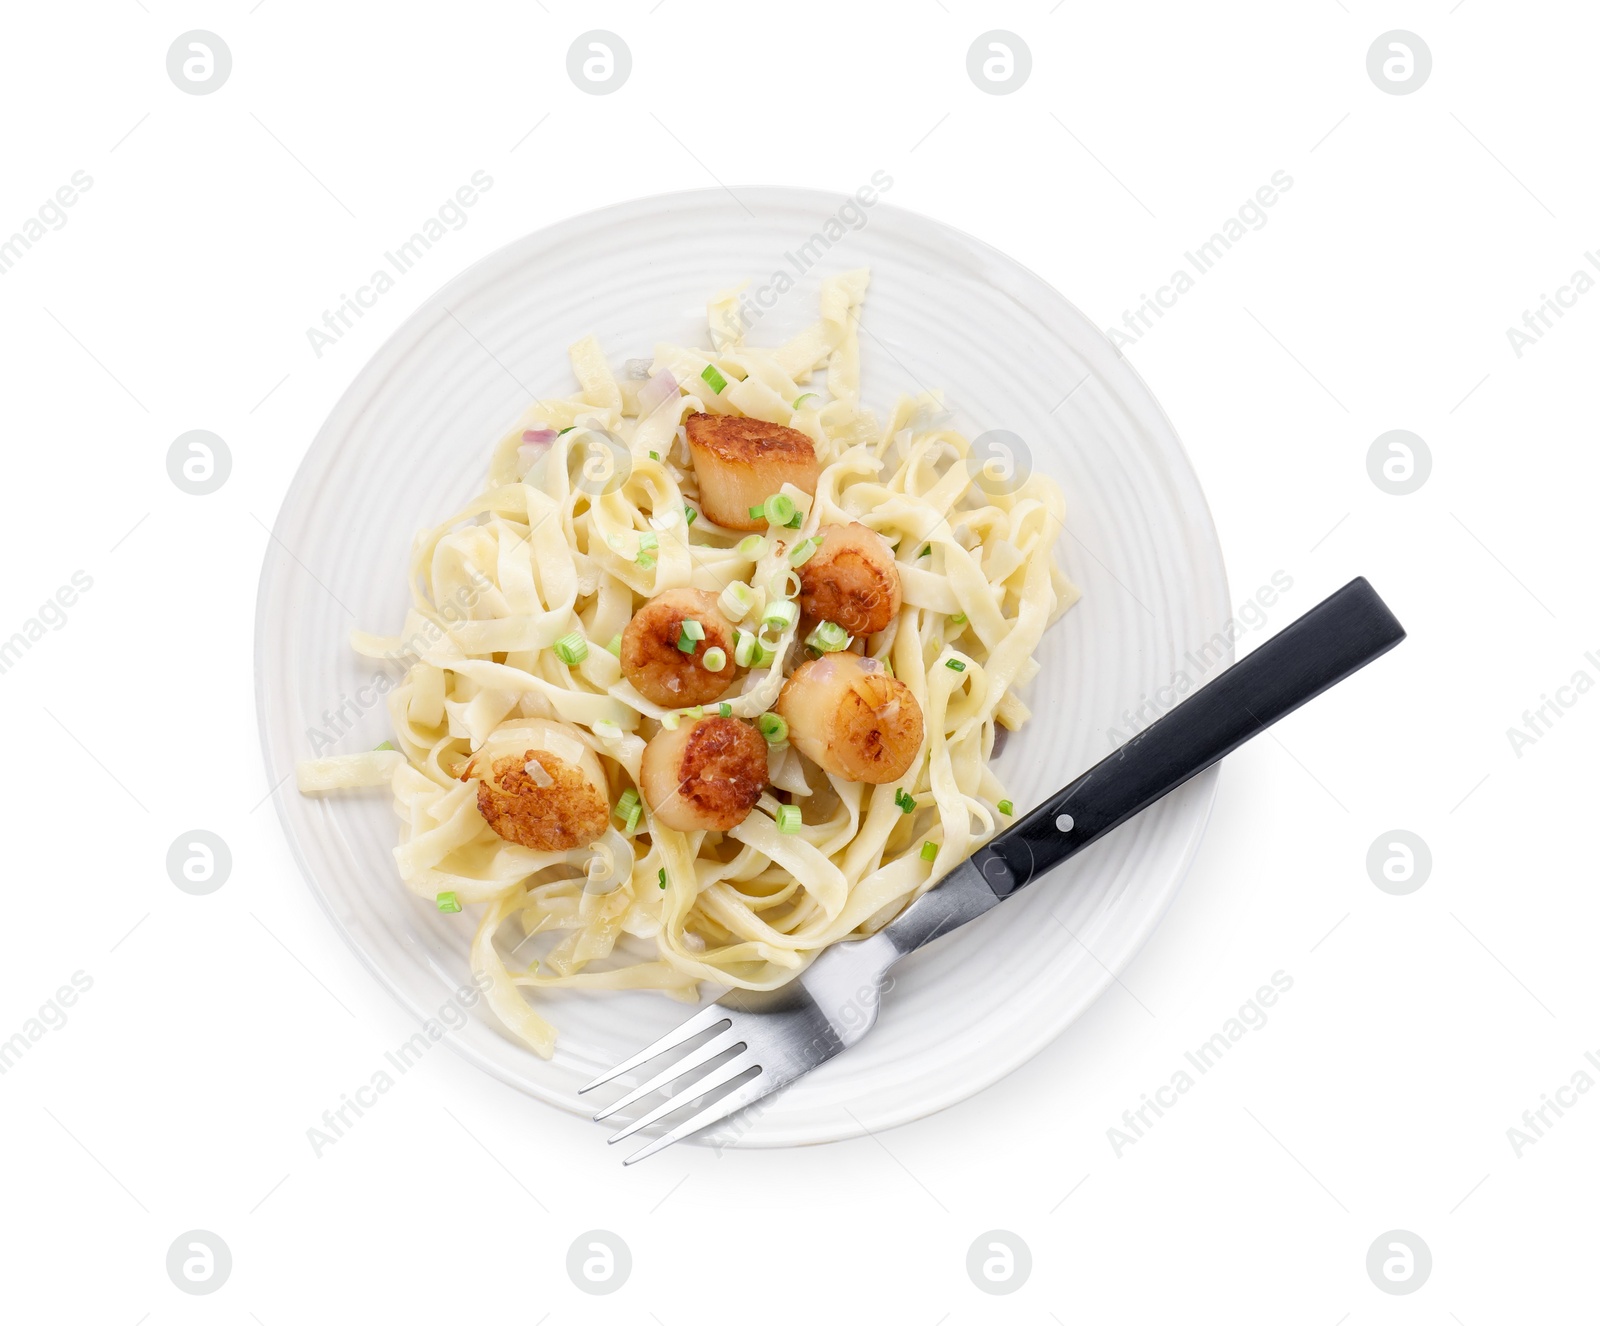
(742, 462)
(707, 774)
(540, 786)
(850, 716)
(851, 579)
(665, 674)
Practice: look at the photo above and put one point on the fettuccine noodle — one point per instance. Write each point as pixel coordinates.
(587, 515)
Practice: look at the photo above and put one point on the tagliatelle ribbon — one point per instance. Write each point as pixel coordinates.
(586, 515)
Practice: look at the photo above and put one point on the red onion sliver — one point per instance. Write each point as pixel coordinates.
(661, 388)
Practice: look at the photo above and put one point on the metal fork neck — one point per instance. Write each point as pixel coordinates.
(956, 899)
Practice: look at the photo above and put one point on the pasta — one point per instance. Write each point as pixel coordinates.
(516, 696)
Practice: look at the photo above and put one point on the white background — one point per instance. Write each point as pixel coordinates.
(1418, 1029)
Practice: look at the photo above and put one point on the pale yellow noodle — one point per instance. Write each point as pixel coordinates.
(545, 551)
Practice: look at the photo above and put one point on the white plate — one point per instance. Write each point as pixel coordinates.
(410, 440)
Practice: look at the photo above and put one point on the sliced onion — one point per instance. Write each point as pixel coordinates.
(535, 444)
(661, 388)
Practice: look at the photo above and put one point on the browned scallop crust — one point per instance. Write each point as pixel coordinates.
(874, 730)
(882, 724)
(747, 441)
(652, 661)
(723, 771)
(569, 813)
(851, 580)
(739, 463)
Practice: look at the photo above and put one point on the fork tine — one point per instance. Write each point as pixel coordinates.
(704, 1020)
(762, 1084)
(741, 1063)
(718, 1044)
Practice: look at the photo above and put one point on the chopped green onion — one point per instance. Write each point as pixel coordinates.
(784, 585)
(717, 381)
(448, 902)
(661, 876)
(646, 560)
(713, 660)
(630, 821)
(783, 614)
(757, 513)
(1004, 807)
(670, 722)
(779, 509)
(752, 546)
(888, 666)
(649, 540)
(805, 396)
(788, 819)
(798, 521)
(615, 647)
(904, 800)
(926, 549)
(725, 709)
(929, 851)
(384, 745)
(689, 633)
(689, 513)
(803, 551)
(571, 649)
(744, 648)
(736, 600)
(960, 619)
(566, 430)
(773, 728)
(955, 665)
(655, 455)
(697, 712)
(828, 638)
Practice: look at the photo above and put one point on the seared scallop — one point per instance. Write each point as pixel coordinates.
(742, 462)
(539, 786)
(665, 674)
(705, 774)
(850, 716)
(851, 579)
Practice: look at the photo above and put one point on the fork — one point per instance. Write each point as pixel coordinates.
(776, 1036)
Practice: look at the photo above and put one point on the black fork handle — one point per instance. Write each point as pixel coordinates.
(1342, 634)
